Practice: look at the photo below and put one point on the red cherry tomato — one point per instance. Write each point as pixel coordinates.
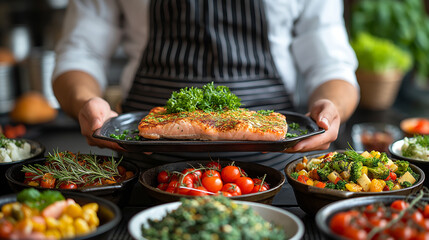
(211, 172)
(6, 229)
(355, 234)
(214, 165)
(258, 188)
(257, 181)
(162, 186)
(399, 205)
(230, 174)
(163, 177)
(195, 174)
(68, 185)
(426, 211)
(48, 181)
(246, 184)
(402, 231)
(212, 183)
(340, 222)
(225, 194)
(199, 191)
(232, 188)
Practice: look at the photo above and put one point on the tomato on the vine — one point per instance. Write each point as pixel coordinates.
(48, 181)
(214, 165)
(245, 183)
(199, 191)
(230, 174)
(340, 222)
(232, 188)
(162, 186)
(212, 183)
(399, 205)
(211, 172)
(163, 177)
(194, 173)
(225, 194)
(259, 188)
(257, 181)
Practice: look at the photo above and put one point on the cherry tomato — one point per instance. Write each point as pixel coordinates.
(172, 186)
(258, 188)
(232, 188)
(6, 229)
(163, 177)
(48, 181)
(257, 181)
(195, 174)
(422, 236)
(340, 222)
(214, 165)
(393, 176)
(355, 233)
(225, 194)
(246, 184)
(402, 231)
(212, 183)
(426, 211)
(68, 185)
(162, 186)
(122, 170)
(211, 172)
(199, 191)
(418, 218)
(186, 185)
(230, 174)
(399, 205)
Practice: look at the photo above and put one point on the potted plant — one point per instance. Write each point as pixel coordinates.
(382, 65)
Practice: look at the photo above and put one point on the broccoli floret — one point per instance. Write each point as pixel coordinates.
(383, 158)
(379, 172)
(330, 185)
(390, 184)
(356, 171)
(356, 157)
(406, 184)
(340, 165)
(341, 185)
(402, 167)
(340, 157)
(324, 172)
(294, 175)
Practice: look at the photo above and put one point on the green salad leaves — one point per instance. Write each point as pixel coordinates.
(208, 98)
(39, 200)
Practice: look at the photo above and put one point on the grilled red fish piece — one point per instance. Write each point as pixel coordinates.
(240, 124)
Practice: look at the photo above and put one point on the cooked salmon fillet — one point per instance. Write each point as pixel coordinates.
(240, 124)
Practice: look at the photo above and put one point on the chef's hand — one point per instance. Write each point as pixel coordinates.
(326, 115)
(92, 116)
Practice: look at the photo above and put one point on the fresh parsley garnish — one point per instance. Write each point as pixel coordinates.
(265, 112)
(208, 98)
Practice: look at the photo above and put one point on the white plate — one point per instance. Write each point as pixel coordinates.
(293, 226)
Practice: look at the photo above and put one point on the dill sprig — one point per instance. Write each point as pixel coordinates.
(81, 169)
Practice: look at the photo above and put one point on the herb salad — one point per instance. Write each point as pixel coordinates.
(212, 218)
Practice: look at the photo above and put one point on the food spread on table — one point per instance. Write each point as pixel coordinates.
(211, 113)
(13, 149)
(416, 147)
(67, 170)
(211, 179)
(355, 172)
(46, 215)
(400, 219)
(212, 218)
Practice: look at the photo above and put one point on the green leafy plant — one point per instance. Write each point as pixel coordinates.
(404, 22)
(379, 55)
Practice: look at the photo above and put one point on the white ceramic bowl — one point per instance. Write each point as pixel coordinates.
(293, 226)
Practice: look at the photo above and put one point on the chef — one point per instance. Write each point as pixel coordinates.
(257, 48)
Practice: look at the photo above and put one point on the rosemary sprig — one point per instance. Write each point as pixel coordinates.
(83, 169)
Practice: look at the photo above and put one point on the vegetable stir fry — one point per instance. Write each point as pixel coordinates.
(67, 170)
(350, 171)
(212, 218)
(46, 215)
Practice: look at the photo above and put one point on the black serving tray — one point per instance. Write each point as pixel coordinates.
(130, 121)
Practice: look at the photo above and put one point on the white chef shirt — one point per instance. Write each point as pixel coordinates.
(307, 37)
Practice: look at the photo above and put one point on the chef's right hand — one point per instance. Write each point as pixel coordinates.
(92, 116)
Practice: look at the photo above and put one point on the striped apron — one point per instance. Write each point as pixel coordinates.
(195, 42)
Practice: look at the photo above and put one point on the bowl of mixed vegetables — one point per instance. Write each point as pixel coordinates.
(320, 179)
(49, 214)
(377, 217)
(237, 180)
(104, 176)
(215, 218)
(14, 151)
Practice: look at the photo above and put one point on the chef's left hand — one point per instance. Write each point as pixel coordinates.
(326, 115)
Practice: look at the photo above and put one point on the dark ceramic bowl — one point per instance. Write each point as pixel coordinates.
(37, 151)
(396, 152)
(108, 213)
(324, 216)
(274, 178)
(118, 193)
(310, 198)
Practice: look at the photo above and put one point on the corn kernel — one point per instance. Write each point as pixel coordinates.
(66, 220)
(52, 223)
(91, 218)
(53, 234)
(74, 210)
(81, 226)
(67, 231)
(39, 224)
(92, 206)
